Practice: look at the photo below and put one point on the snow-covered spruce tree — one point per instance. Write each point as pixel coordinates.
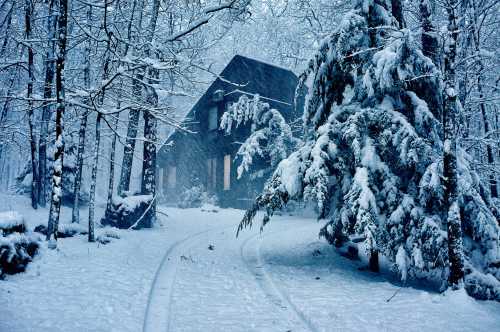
(372, 156)
(270, 138)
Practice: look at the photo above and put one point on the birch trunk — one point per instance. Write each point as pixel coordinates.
(93, 179)
(46, 109)
(83, 128)
(98, 128)
(111, 181)
(28, 20)
(56, 195)
(75, 215)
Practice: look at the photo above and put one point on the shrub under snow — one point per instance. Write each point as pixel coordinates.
(128, 212)
(64, 230)
(195, 197)
(10, 222)
(17, 248)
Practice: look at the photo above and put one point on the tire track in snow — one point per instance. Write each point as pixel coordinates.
(250, 254)
(158, 308)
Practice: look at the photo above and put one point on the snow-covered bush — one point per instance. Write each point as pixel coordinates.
(17, 248)
(16, 251)
(482, 286)
(271, 137)
(372, 153)
(107, 234)
(129, 212)
(64, 230)
(195, 197)
(11, 222)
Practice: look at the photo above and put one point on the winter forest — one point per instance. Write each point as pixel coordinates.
(249, 165)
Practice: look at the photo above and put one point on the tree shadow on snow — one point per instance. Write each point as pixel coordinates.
(319, 260)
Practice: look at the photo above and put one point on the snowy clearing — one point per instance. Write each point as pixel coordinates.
(192, 274)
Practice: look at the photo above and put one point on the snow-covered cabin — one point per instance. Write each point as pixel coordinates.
(206, 156)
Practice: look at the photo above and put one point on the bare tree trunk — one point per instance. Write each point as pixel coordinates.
(397, 12)
(148, 186)
(28, 17)
(47, 94)
(373, 263)
(98, 128)
(133, 116)
(476, 34)
(8, 20)
(56, 196)
(93, 179)
(450, 172)
(83, 128)
(129, 148)
(75, 215)
(488, 134)
(430, 43)
(111, 182)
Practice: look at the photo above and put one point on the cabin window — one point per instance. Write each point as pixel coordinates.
(161, 175)
(213, 121)
(227, 172)
(212, 171)
(171, 177)
(227, 108)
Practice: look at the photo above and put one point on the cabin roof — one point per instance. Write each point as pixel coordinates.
(244, 75)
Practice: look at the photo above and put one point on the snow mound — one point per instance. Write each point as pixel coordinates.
(16, 251)
(64, 230)
(482, 286)
(12, 221)
(129, 212)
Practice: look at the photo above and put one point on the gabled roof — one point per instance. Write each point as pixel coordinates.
(251, 76)
(245, 75)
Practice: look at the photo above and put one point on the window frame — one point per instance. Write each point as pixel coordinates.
(211, 125)
(171, 177)
(227, 172)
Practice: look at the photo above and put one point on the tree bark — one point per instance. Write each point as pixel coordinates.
(83, 128)
(476, 34)
(430, 43)
(56, 195)
(397, 12)
(75, 215)
(28, 19)
(93, 179)
(450, 172)
(148, 186)
(133, 116)
(111, 181)
(373, 263)
(105, 76)
(46, 108)
(129, 148)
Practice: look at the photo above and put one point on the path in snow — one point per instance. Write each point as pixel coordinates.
(250, 253)
(224, 289)
(167, 279)
(157, 316)
(285, 279)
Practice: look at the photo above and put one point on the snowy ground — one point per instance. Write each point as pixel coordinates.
(167, 279)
